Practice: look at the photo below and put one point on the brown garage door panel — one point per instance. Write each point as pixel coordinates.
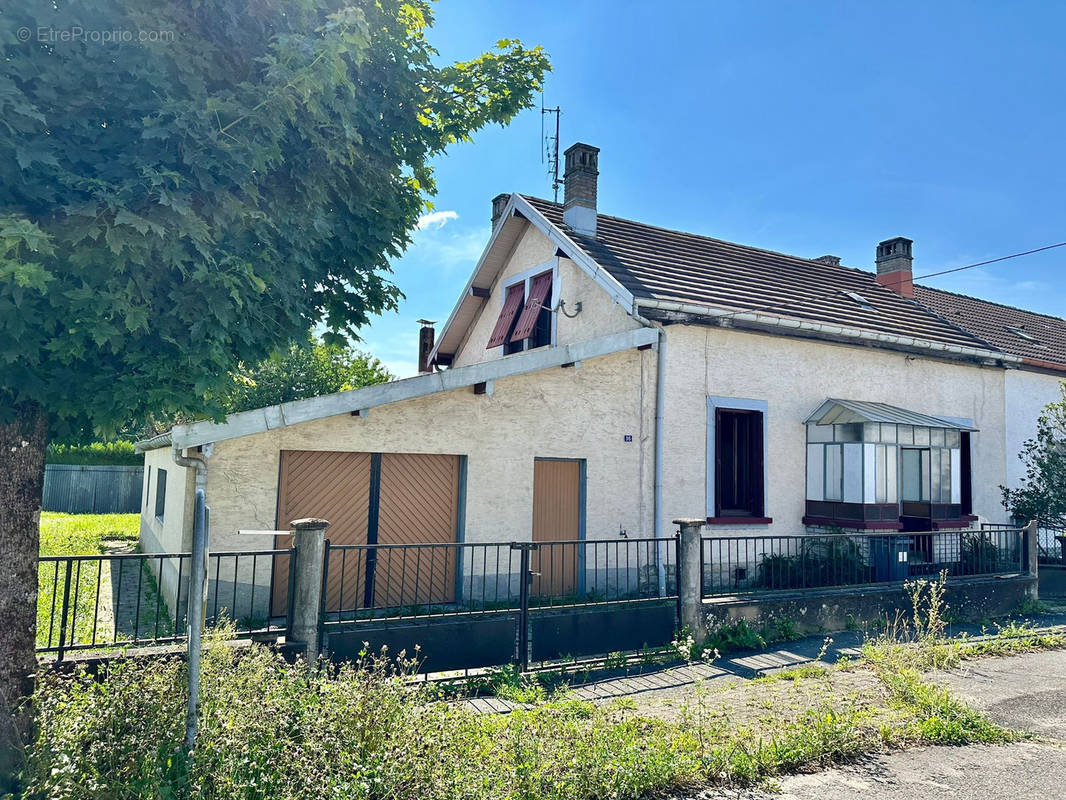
(330, 485)
(419, 504)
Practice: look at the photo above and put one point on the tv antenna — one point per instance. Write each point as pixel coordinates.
(551, 145)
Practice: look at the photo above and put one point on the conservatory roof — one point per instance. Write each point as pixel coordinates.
(834, 411)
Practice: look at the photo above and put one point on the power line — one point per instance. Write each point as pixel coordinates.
(992, 260)
(805, 300)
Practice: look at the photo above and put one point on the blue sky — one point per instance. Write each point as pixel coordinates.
(807, 128)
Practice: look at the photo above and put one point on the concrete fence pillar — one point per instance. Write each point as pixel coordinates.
(309, 541)
(690, 584)
(1031, 543)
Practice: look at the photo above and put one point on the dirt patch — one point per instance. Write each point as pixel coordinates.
(768, 702)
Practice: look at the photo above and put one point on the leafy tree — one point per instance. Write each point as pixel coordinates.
(181, 202)
(1042, 493)
(307, 369)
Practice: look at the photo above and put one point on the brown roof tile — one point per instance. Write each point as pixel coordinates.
(1038, 337)
(661, 264)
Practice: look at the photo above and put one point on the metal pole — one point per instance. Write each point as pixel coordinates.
(63, 618)
(197, 600)
(523, 602)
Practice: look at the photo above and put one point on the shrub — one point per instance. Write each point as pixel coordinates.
(822, 561)
(97, 453)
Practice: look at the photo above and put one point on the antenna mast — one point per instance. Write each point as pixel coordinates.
(551, 146)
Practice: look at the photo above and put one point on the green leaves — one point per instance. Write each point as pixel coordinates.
(1042, 493)
(170, 210)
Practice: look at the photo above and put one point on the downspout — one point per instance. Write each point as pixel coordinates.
(657, 458)
(197, 592)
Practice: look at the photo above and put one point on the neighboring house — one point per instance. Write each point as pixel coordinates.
(600, 377)
(1038, 339)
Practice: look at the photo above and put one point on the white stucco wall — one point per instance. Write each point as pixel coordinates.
(599, 316)
(1026, 395)
(793, 376)
(556, 413)
(174, 533)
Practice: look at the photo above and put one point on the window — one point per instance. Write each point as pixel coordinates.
(160, 493)
(147, 484)
(526, 319)
(738, 463)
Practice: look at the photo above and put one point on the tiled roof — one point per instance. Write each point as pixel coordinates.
(656, 263)
(1038, 337)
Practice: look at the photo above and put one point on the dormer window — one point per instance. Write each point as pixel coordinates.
(525, 321)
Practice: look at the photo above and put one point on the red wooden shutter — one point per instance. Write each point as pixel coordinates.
(510, 307)
(538, 292)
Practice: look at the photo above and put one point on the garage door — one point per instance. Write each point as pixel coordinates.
(375, 498)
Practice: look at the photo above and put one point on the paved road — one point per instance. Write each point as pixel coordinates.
(1022, 692)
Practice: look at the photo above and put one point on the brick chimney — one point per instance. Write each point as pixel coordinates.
(499, 203)
(894, 260)
(426, 335)
(579, 187)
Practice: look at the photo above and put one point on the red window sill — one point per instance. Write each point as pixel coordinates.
(739, 520)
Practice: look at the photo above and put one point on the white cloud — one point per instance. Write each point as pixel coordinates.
(436, 219)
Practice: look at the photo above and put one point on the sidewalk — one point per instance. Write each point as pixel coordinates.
(651, 685)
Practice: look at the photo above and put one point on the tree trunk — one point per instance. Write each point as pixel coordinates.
(22, 449)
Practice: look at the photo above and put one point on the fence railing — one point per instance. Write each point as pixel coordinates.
(89, 602)
(415, 580)
(745, 564)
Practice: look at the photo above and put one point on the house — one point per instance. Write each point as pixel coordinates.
(599, 377)
(1039, 340)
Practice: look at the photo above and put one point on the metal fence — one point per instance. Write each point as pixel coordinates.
(748, 564)
(90, 602)
(415, 580)
(91, 489)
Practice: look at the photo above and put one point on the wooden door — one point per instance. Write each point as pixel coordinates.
(557, 516)
(419, 504)
(333, 486)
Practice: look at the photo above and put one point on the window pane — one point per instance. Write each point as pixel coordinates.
(888, 432)
(816, 472)
(851, 432)
(738, 463)
(892, 475)
(925, 476)
(819, 433)
(935, 475)
(912, 475)
(951, 439)
(871, 432)
(921, 436)
(834, 472)
(936, 437)
(945, 476)
(906, 434)
(853, 473)
(881, 475)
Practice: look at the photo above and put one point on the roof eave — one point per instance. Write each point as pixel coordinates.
(837, 332)
(518, 207)
(260, 420)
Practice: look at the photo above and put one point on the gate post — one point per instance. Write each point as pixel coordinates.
(690, 585)
(1031, 547)
(309, 542)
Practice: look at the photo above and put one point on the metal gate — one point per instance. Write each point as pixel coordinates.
(501, 607)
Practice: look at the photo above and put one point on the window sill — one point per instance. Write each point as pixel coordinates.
(739, 520)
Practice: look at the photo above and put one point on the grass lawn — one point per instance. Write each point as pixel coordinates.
(91, 588)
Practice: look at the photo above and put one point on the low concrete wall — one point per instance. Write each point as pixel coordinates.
(838, 609)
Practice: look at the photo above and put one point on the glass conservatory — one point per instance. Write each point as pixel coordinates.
(879, 467)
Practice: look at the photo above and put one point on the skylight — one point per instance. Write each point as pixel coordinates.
(1022, 334)
(862, 301)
